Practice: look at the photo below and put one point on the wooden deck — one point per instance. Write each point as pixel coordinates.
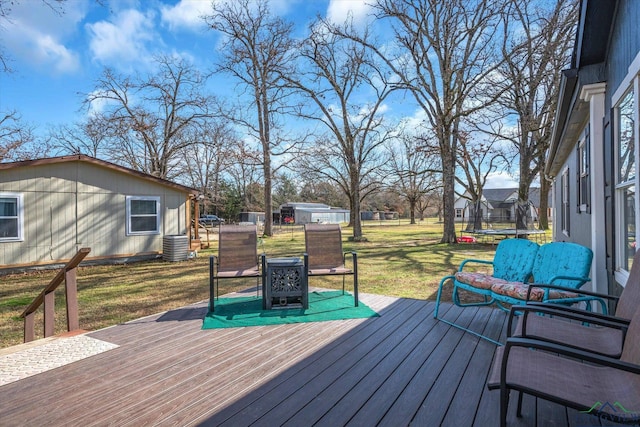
(403, 368)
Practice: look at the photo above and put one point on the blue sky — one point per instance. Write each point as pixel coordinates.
(58, 57)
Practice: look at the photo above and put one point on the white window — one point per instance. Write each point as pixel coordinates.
(584, 188)
(458, 213)
(11, 217)
(143, 215)
(625, 135)
(565, 213)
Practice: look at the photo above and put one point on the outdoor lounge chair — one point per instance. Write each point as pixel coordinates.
(557, 263)
(324, 256)
(591, 383)
(524, 265)
(237, 257)
(512, 262)
(582, 329)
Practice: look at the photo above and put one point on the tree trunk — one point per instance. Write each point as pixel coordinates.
(475, 217)
(522, 215)
(412, 210)
(268, 208)
(526, 177)
(355, 205)
(448, 202)
(543, 217)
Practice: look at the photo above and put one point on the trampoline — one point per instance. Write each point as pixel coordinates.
(494, 235)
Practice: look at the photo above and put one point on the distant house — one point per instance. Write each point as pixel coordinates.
(304, 213)
(595, 141)
(50, 208)
(497, 205)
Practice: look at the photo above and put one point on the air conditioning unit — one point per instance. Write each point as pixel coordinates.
(175, 248)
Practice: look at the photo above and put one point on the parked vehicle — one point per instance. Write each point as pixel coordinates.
(210, 220)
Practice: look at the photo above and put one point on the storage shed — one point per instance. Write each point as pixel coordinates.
(305, 213)
(49, 208)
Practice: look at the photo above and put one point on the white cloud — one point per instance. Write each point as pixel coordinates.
(282, 7)
(414, 124)
(39, 33)
(185, 14)
(98, 105)
(49, 51)
(500, 180)
(366, 110)
(339, 10)
(125, 40)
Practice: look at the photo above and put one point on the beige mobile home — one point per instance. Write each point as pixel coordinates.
(49, 208)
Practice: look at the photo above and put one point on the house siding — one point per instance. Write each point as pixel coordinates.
(622, 50)
(579, 223)
(604, 73)
(70, 205)
(625, 43)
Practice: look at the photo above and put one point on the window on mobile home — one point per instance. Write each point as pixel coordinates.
(143, 215)
(584, 187)
(565, 210)
(11, 217)
(625, 112)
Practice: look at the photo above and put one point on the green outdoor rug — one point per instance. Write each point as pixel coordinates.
(247, 311)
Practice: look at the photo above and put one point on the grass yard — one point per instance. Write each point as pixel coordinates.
(399, 259)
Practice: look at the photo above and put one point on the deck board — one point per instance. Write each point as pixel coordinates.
(402, 368)
(435, 405)
(465, 404)
(357, 365)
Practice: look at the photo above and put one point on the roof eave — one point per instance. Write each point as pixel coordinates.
(88, 159)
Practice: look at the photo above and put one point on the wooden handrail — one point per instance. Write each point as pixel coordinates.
(47, 296)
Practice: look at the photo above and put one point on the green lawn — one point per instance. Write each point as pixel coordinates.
(398, 259)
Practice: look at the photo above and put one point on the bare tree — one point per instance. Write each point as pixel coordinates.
(431, 200)
(17, 139)
(327, 192)
(324, 161)
(338, 70)
(245, 174)
(149, 115)
(414, 170)
(90, 137)
(204, 161)
(385, 202)
(256, 51)
(445, 56)
(477, 158)
(285, 189)
(537, 45)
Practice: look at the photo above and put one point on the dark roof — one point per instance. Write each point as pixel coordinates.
(592, 36)
(101, 163)
(498, 196)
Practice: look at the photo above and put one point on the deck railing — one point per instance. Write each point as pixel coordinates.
(47, 296)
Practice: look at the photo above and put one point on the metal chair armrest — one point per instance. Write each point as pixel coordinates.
(585, 356)
(578, 311)
(526, 310)
(581, 280)
(478, 261)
